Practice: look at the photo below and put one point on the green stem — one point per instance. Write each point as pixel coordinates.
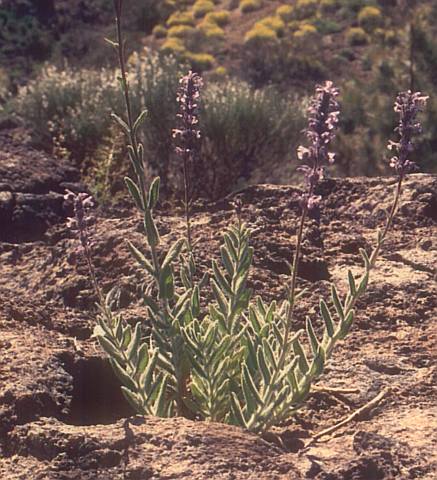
(125, 85)
(187, 201)
(290, 307)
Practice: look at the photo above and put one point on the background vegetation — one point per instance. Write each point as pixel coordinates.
(259, 58)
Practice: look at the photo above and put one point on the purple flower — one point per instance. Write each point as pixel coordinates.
(407, 105)
(188, 97)
(323, 114)
(82, 220)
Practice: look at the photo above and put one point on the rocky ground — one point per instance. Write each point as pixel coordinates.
(61, 412)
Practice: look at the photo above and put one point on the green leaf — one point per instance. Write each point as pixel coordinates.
(123, 376)
(154, 193)
(166, 283)
(151, 230)
(251, 394)
(227, 262)
(140, 258)
(110, 349)
(352, 286)
(147, 375)
(134, 192)
(150, 303)
(195, 302)
(139, 120)
(346, 325)
(121, 122)
(230, 247)
(300, 353)
(160, 405)
(99, 331)
(220, 279)
(237, 411)
(326, 315)
(132, 349)
(312, 336)
(142, 358)
(365, 258)
(220, 298)
(111, 42)
(265, 372)
(337, 303)
(363, 284)
(134, 400)
(173, 253)
(318, 363)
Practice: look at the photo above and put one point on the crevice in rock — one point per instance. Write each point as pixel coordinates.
(96, 395)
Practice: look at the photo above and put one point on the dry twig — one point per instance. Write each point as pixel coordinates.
(353, 416)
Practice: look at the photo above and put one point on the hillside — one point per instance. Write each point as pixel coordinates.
(371, 49)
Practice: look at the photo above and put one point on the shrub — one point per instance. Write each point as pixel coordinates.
(221, 72)
(173, 46)
(220, 18)
(305, 31)
(68, 106)
(370, 18)
(180, 18)
(325, 26)
(329, 6)
(356, 36)
(260, 35)
(154, 82)
(181, 31)
(247, 6)
(305, 9)
(202, 7)
(245, 129)
(211, 31)
(159, 31)
(285, 12)
(391, 38)
(200, 61)
(274, 23)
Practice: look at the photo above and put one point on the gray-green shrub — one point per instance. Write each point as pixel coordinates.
(244, 129)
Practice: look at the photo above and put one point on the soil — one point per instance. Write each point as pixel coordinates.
(62, 415)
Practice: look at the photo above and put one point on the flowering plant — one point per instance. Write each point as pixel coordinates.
(237, 359)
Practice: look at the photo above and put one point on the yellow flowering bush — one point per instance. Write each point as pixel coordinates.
(260, 35)
(181, 31)
(180, 18)
(370, 18)
(275, 23)
(220, 17)
(285, 12)
(305, 9)
(247, 6)
(202, 7)
(305, 31)
(173, 46)
(200, 61)
(159, 31)
(356, 36)
(211, 31)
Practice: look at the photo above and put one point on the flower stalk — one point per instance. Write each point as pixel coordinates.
(188, 136)
(323, 115)
(81, 223)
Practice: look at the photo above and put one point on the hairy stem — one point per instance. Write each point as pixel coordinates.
(118, 5)
(187, 201)
(290, 308)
